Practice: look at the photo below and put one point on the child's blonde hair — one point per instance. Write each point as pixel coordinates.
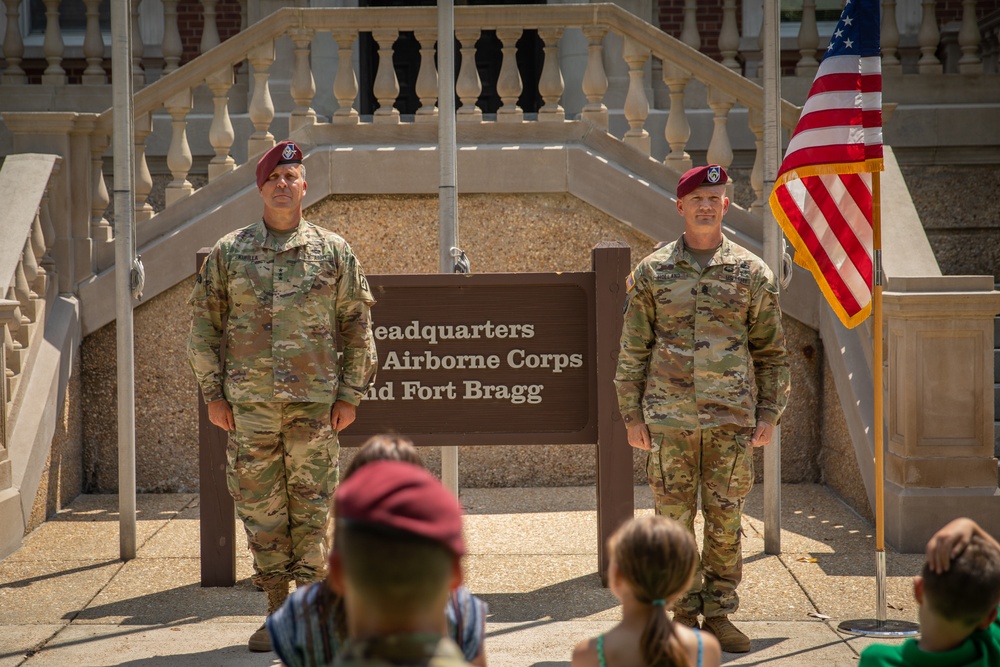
(656, 557)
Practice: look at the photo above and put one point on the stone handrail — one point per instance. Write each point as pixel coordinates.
(26, 269)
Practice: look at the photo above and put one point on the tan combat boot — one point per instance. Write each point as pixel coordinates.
(683, 619)
(730, 638)
(260, 641)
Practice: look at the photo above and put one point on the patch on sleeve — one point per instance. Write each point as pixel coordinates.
(630, 282)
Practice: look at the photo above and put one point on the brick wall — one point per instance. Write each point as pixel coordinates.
(191, 20)
(709, 20)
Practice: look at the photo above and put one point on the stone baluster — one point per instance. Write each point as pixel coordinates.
(36, 305)
(22, 292)
(93, 45)
(928, 38)
(138, 76)
(550, 84)
(595, 79)
(303, 87)
(808, 41)
(143, 179)
(221, 134)
(636, 104)
(755, 119)
(10, 325)
(386, 85)
(720, 150)
(427, 77)
(261, 106)
(100, 228)
(890, 39)
(729, 36)
(689, 33)
(37, 239)
(6, 356)
(209, 29)
(13, 45)
(677, 130)
(179, 154)
(968, 40)
(53, 46)
(48, 229)
(509, 84)
(172, 46)
(468, 87)
(345, 83)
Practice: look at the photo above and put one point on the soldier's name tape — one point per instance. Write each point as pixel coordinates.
(427, 360)
(432, 333)
(409, 390)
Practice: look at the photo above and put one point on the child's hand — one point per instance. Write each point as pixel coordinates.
(949, 542)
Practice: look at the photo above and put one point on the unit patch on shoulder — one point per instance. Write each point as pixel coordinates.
(630, 282)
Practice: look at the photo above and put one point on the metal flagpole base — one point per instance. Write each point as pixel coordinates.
(870, 627)
(880, 626)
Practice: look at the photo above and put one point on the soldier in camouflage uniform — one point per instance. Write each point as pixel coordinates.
(702, 377)
(282, 290)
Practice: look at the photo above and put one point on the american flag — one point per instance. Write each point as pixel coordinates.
(823, 194)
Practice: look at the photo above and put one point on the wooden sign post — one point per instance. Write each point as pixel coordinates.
(481, 359)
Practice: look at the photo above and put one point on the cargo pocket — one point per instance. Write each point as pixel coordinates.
(741, 475)
(654, 471)
(232, 461)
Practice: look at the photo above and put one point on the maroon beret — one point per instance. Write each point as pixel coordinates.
(710, 174)
(285, 152)
(403, 496)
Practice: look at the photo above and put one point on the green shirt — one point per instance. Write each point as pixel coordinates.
(981, 649)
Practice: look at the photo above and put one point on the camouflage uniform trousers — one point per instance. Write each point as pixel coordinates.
(282, 471)
(720, 461)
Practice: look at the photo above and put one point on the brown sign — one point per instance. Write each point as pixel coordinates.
(483, 359)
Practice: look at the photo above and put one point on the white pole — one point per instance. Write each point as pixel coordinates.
(123, 123)
(448, 188)
(772, 249)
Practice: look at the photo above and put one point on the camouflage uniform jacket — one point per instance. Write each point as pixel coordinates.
(282, 305)
(409, 650)
(702, 347)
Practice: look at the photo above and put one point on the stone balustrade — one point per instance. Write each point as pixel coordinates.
(174, 94)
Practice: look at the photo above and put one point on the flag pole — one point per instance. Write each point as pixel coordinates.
(448, 184)
(880, 602)
(771, 79)
(880, 626)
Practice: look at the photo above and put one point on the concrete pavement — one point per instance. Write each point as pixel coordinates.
(66, 599)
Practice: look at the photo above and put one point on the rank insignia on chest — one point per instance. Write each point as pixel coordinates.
(630, 282)
(744, 273)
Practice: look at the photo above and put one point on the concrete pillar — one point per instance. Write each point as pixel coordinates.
(939, 410)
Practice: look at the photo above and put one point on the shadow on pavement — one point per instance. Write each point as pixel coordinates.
(185, 604)
(565, 601)
(824, 518)
(22, 583)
